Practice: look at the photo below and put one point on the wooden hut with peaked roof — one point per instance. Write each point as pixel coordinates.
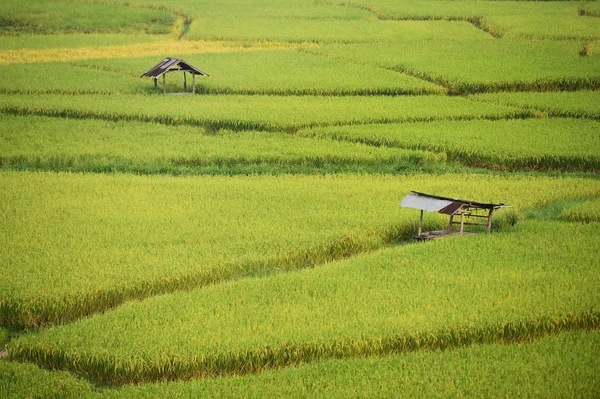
(169, 65)
(469, 211)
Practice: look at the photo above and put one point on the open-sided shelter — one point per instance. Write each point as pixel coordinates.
(169, 65)
(469, 212)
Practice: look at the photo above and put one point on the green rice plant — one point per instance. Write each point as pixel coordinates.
(56, 144)
(561, 365)
(536, 279)
(556, 20)
(118, 237)
(280, 72)
(586, 212)
(532, 144)
(76, 40)
(57, 77)
(334, 30)
(48, 17)
(479, 65)
(270, 113)
(581, 104)
(26, 381)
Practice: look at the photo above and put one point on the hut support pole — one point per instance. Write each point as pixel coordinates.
(164, 83)
(420, 224)
(155, 83)
(450, 224)
(193, 83)
(184, 83)
(489, 223)
(462, 222)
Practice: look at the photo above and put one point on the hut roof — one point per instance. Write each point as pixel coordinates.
(172, 64)
(445, 205)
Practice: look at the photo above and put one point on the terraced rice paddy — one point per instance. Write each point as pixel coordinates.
(247, 241)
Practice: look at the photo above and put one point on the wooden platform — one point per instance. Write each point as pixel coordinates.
(430, 235)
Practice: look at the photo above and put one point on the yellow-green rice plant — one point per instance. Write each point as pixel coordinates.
(271, 113)
(533, 144)
(117, 237)
(581, 104)
(586, 212)
(530, 281)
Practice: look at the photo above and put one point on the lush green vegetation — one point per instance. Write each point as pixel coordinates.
(78, 40)
(186, 233)
(586, 212)
(513, 285)
(42, 143)
(259, 72)
(26, 381)
(581, 104)
(544, 144)
(255, 229)
(554, 366)
(257, 112)
(48, 17)
(479, 65)
(562, 366)
(502, 19)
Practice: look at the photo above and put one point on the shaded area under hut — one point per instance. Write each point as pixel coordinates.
(169, 65)
(471, 213)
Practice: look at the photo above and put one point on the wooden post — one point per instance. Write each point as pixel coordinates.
(184, 83)
(164, 83)
(450, 224)
(420, 224)
(193, 83)
(155, 83)
(462, 222)
(489, 223)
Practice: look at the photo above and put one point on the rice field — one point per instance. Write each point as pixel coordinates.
(42, 143)
(247, 241)
(391, 301)
(545, 144)
(58, 230)
(258, 112)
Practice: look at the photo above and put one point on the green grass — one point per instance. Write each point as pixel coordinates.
(532, 144)
(582, 104)
(26, 381)
(115, 238)
(535, 279)
(273, 113)
(284, 72)
(42, 143)
(50, 17)
(479, 65)
(562, 366)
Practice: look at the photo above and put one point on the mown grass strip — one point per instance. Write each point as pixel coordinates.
(190, 232)
(509, 286)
